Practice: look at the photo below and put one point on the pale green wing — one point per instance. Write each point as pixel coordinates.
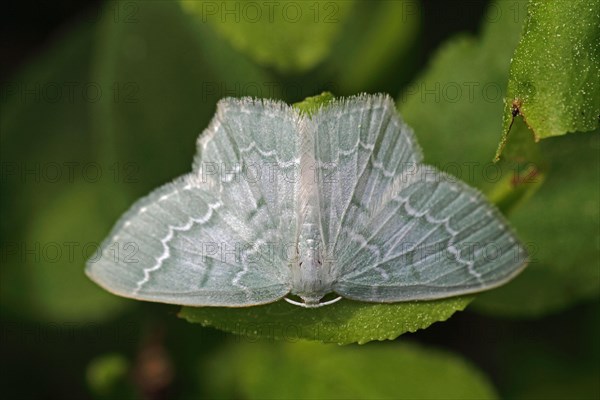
(217, 236)
(431, 237)
(360, 147)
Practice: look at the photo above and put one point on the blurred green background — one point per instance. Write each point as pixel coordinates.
(103, 102)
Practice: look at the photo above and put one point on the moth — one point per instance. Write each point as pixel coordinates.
(313, 208)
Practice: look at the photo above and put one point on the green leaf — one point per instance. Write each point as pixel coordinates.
(289, 35)
(311, 104)
(560, 226)
(343, 322)
(315, 371)
(554, 75)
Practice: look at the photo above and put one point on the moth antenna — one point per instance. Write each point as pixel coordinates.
(301, 304)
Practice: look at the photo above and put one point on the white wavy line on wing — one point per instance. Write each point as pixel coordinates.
(165, 240)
